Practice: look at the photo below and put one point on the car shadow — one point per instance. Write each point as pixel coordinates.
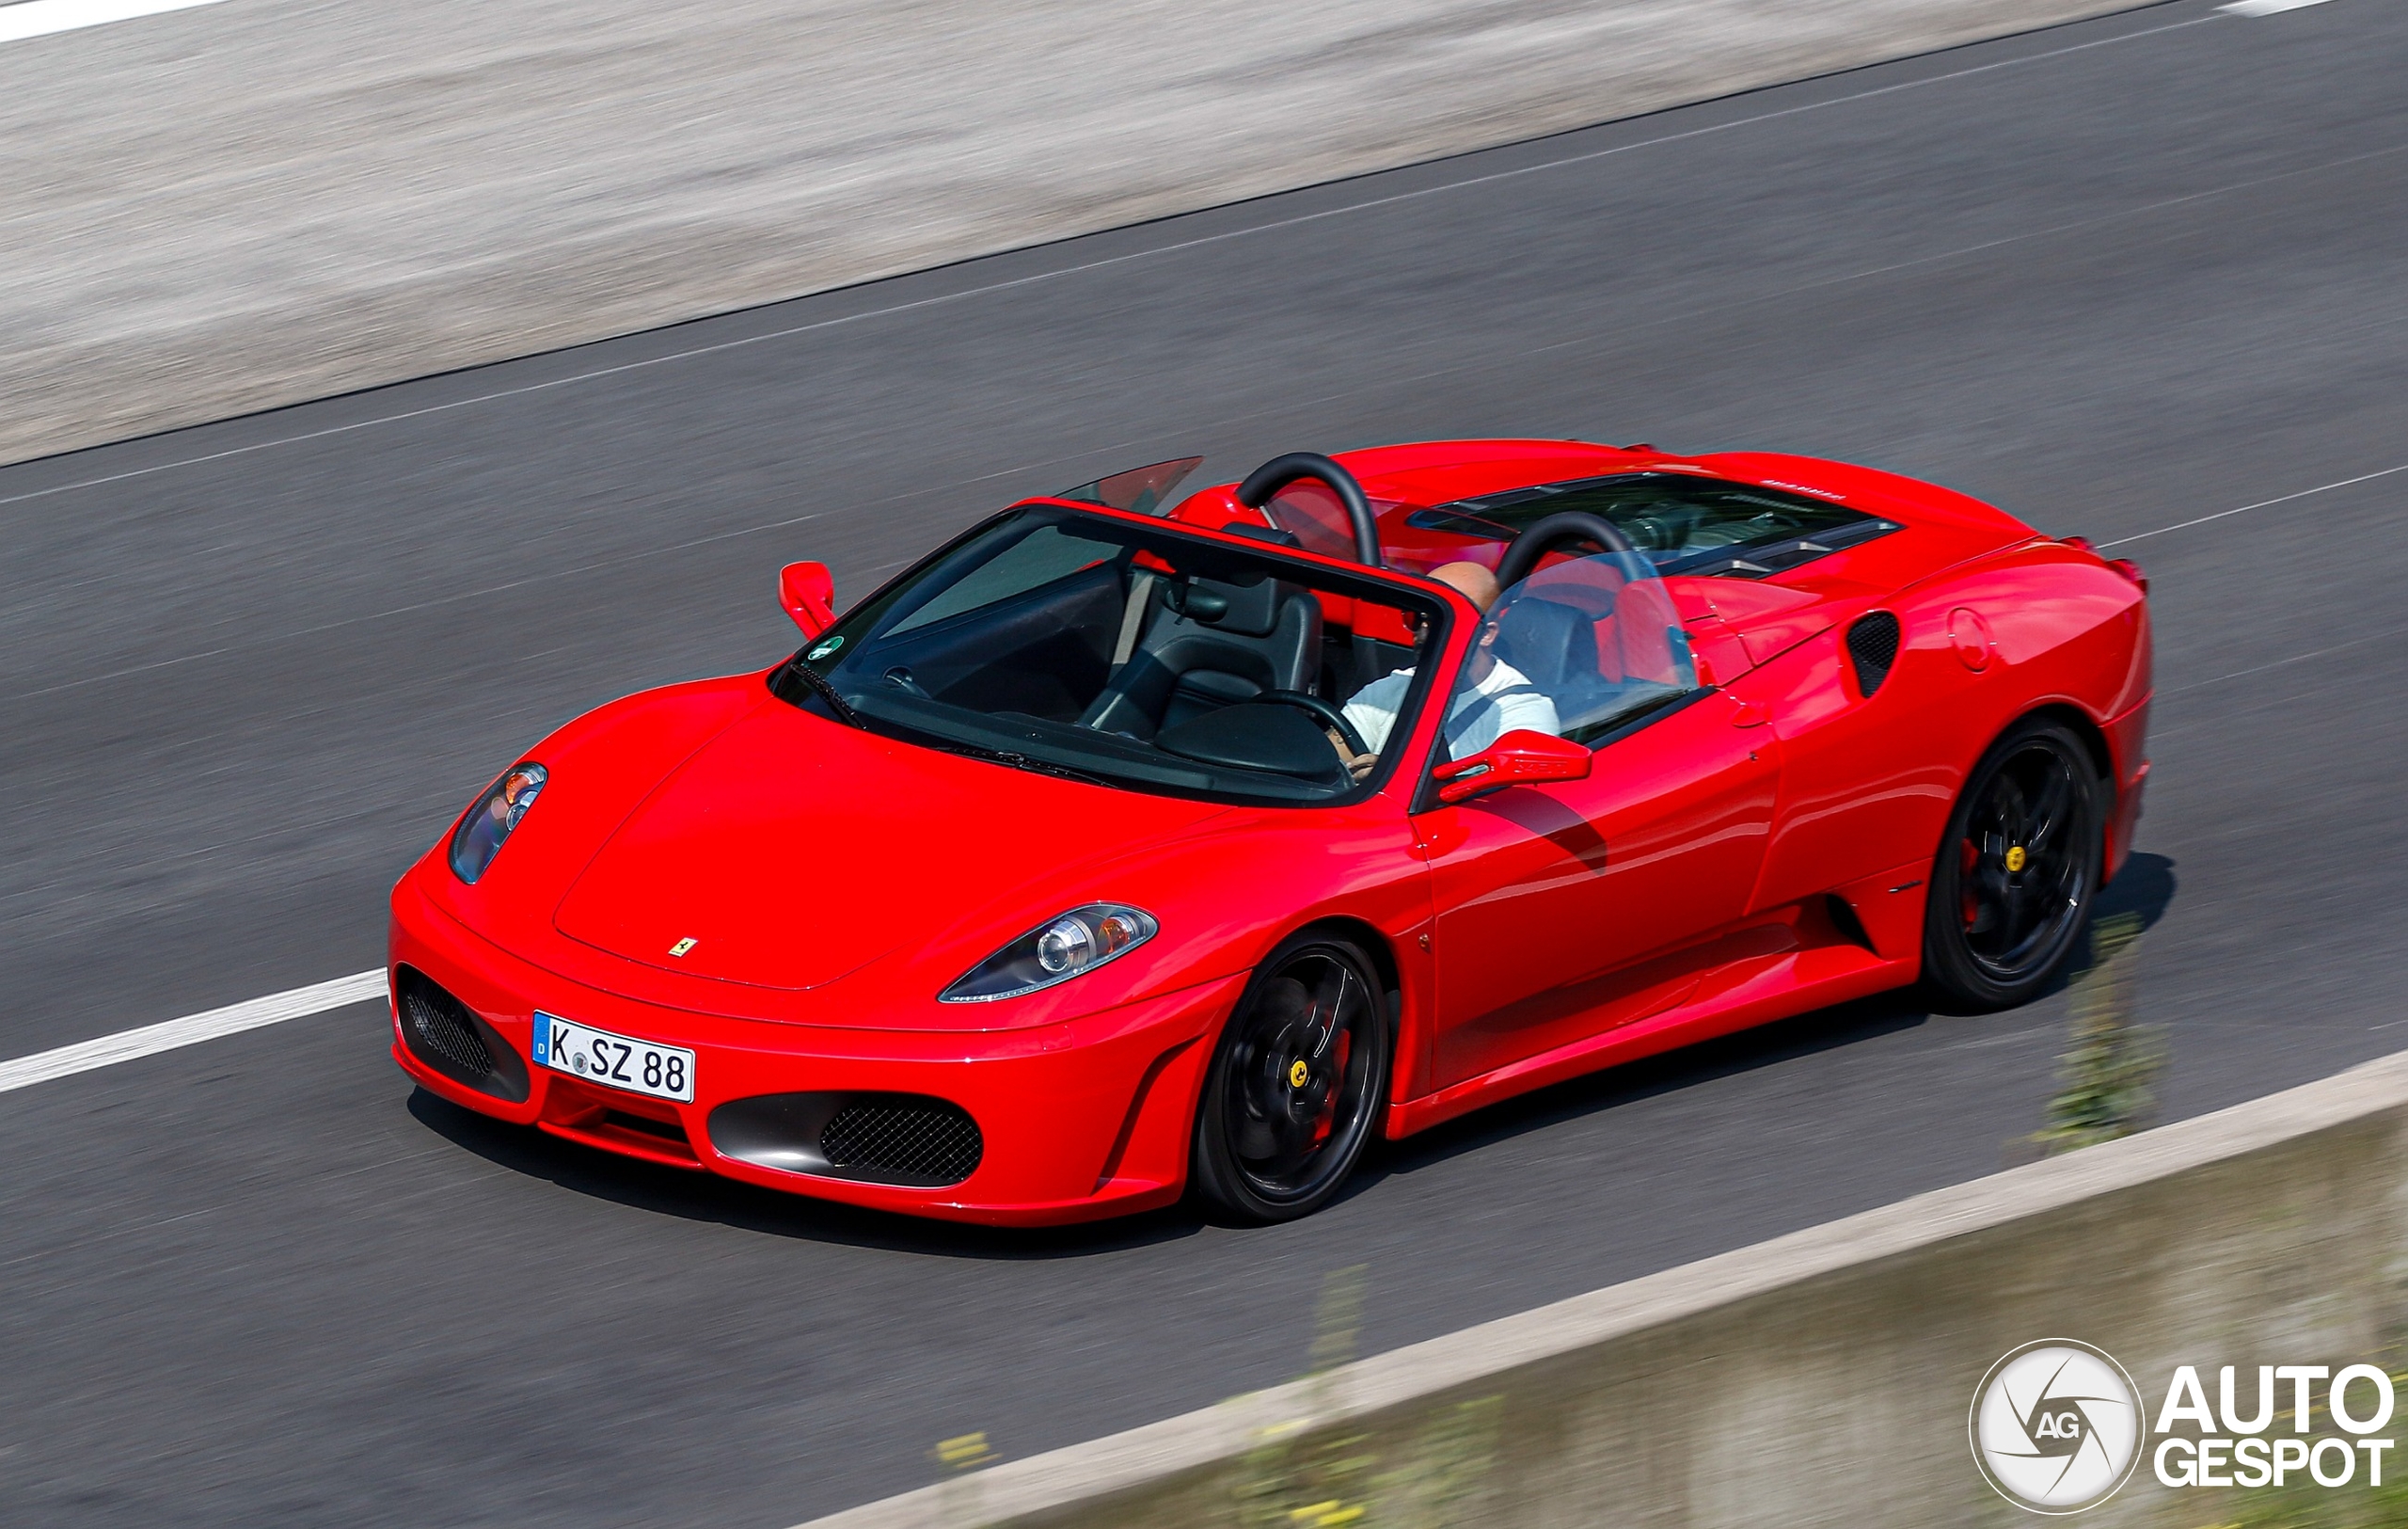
(1670, 1071)
(2146, 888)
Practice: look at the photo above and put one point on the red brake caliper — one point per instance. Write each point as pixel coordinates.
(1327, 1117)
(1968, 856)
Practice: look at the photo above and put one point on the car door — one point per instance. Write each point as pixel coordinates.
(1562, 909)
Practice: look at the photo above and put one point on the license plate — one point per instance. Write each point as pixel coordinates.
(598, 1057)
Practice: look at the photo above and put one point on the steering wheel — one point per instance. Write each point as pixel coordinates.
(1522, 558)
(1327, 715)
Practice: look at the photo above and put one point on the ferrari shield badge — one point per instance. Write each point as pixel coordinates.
(683, 945)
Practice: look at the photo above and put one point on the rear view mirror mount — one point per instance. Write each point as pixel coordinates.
(808, 592)
(1521, 758)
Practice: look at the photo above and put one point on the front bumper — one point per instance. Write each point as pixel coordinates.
(1080, 1120)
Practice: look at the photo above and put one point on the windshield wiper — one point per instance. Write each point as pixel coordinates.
(827, 692)
(1020, 761)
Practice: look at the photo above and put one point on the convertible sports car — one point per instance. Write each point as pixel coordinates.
(1119, 850)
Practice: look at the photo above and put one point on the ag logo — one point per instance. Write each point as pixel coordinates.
(2057, 1427)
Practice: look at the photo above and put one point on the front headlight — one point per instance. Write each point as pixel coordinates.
(1055, 951)
(479, 836)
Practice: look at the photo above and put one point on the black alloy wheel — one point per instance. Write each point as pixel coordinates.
(2012, 885)
(1296, 1084)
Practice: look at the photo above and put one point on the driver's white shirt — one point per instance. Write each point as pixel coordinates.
(1503, 701)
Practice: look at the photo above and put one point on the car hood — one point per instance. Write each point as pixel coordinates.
(791, 851)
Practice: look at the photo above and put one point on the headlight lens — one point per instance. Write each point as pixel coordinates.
(1079, 941)
(481, 834)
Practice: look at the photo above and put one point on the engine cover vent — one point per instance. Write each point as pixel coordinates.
(1873, 646)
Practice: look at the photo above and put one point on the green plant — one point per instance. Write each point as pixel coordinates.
(1315, 1484)
(2106, 1081)
(1437, 1483)
(1337, 1479)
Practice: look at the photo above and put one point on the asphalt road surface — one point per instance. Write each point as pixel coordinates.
(2114, 277)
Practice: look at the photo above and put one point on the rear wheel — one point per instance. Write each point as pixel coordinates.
(1296, 1083)
(2017, 869)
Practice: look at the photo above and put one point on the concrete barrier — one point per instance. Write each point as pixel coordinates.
(261, 202)
(1820, 1379)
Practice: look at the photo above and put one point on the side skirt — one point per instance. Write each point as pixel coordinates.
(1732, 997)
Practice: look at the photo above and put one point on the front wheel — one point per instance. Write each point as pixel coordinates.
(1295, 1085)
(2016, 871)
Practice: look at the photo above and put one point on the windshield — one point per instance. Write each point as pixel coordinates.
(1683, 524)
(1131, 655)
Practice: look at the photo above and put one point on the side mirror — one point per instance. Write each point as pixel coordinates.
(1521, 758)
(809, 595)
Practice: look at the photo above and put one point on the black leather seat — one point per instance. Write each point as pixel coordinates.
(1555, 647)
(1262, 636)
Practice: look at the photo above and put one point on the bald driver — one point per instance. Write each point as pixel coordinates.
(1492, 698)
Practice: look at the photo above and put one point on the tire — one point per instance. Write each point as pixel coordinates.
(2012, 885)
(1296, 1085)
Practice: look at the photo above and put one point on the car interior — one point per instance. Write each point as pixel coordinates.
(1099, 647)
(1053, 639)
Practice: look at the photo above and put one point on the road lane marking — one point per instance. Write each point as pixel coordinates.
(2265, 8)
(41, 18)
(125, 1045)
(2263, 504)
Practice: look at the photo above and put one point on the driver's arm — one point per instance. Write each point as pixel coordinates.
(1373, 710)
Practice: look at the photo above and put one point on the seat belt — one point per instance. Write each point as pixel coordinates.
(1133, 620)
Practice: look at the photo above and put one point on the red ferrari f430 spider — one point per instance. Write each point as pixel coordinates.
(1126, 848)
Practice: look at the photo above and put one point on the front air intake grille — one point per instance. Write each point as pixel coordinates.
(1873, 646)
(902, 1139)
(446, 1036)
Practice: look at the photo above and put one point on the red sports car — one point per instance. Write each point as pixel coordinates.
(1115, 852)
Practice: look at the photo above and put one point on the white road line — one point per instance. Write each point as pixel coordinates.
(2265, 8)
(25, 1072)
(2220, 514)
(41, 18)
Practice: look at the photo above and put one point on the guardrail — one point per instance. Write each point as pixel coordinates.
(1821, 1379)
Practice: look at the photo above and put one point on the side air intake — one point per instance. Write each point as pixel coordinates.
(1873, 646)
(446, 1036)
